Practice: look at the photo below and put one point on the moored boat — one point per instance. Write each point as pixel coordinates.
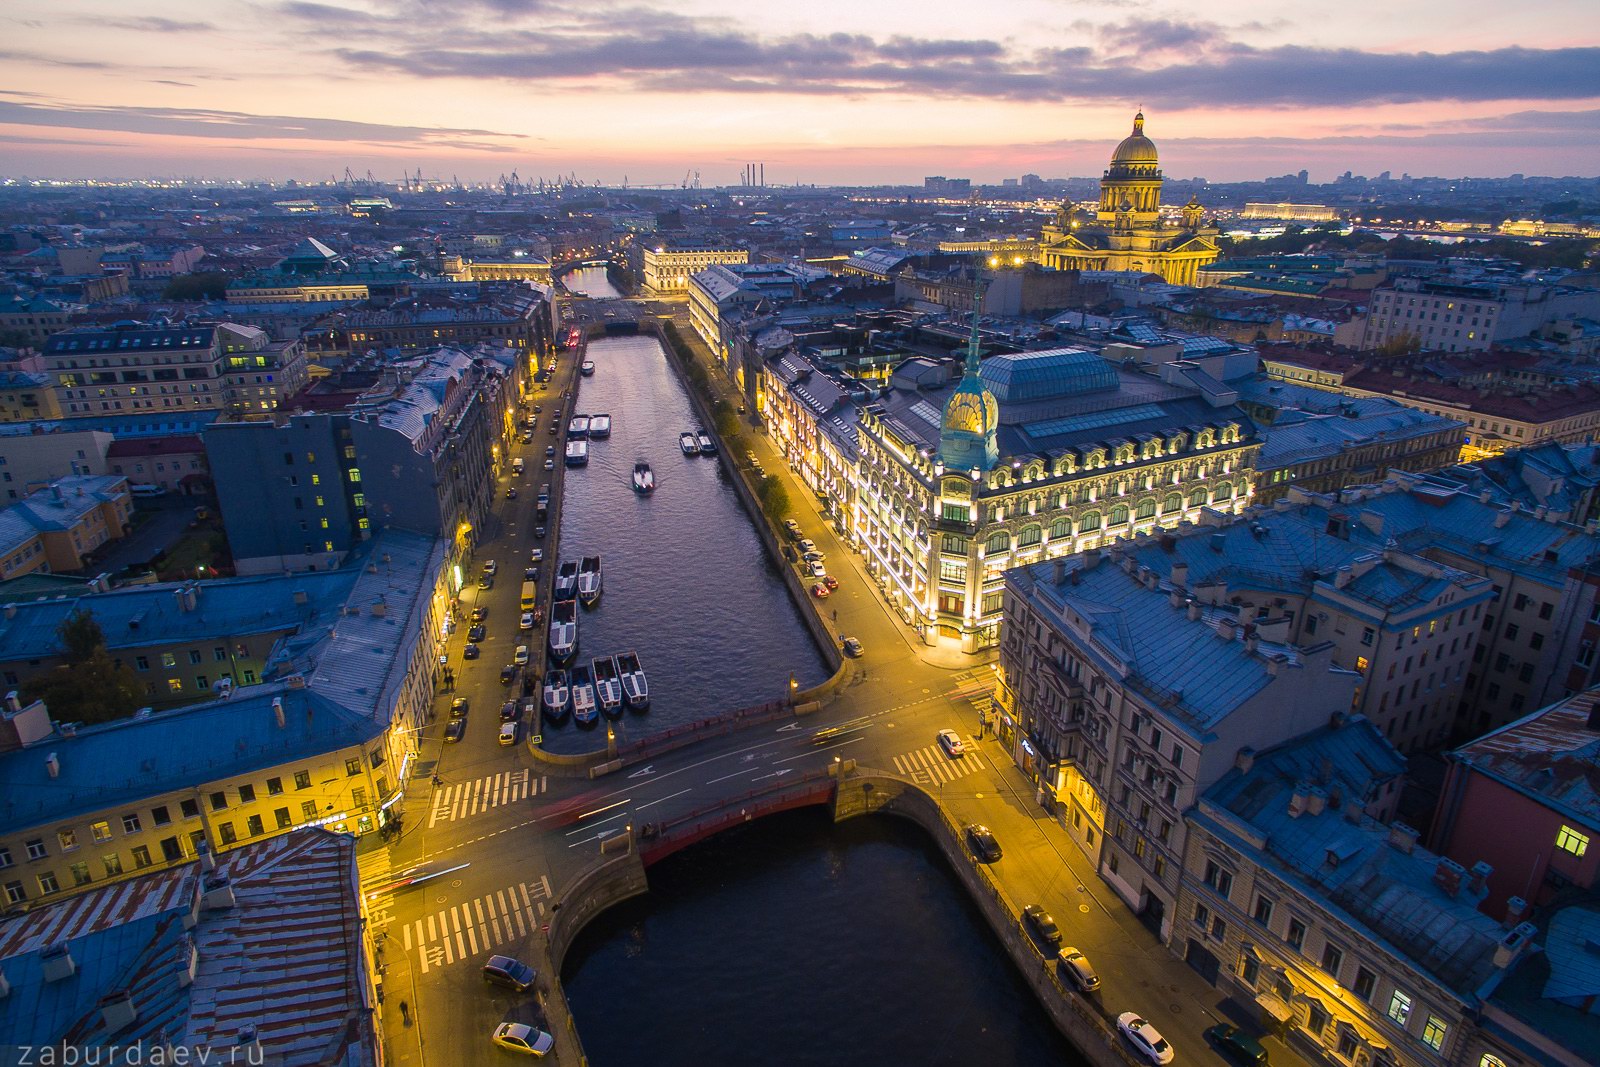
(607, 686)
(557, 697)
(563, 629)
(600, 426)
(578, 427)
(566, 581)
(586, 368)
(704, 443)
(644, 479)
(577, 453)
(635, 690)
(583, 701)
(589, 580)
(689, 443)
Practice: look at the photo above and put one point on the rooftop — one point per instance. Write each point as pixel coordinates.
(1552, 755)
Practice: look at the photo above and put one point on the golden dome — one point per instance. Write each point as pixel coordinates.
(1136, 147)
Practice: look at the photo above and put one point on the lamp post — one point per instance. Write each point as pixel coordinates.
(794, 687)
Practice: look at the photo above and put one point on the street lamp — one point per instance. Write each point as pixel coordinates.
(794, 687)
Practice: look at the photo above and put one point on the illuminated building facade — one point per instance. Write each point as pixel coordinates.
(667, 268)
(1129, 233)
(1032, 455)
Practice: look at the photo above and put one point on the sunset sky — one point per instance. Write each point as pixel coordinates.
(825, 91)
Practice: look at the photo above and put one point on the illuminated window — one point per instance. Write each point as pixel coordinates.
(1570, 840)
(1400, 1007)
(1433, 1033)
(1491, 1060)
(1362, 663)
(100, 831)
(327, 546)
(175, 685)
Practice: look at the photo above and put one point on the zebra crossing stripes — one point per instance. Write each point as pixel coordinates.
(459, 800)
(470, 929)
(930, 765)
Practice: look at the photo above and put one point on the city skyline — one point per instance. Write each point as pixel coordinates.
(837, 94)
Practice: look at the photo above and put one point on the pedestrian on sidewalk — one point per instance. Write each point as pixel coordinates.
(436, 780)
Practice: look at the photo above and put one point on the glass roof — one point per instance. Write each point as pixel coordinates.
(1094, 420)
(1057, 372)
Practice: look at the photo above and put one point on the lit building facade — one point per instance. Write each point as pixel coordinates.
(1034, 455)
(667, 268)
(1129, 233)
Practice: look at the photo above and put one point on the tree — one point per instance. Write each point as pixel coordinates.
(774, 498)
(89, 686)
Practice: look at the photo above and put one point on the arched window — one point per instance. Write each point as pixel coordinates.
(1224, 490)
(1198, 499)
(1119, 515)
(999, 541)
(1173, 502)
(1061, 528)
(1091, 521)
(1030, 535)
(1146, 509)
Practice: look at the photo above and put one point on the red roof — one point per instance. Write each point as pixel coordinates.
(165, 445)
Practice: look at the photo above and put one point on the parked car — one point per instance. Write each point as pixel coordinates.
(471, 651)
(477, 633)
(520, 656)
(538, 532)
(792, 527)
(980, 839)
(805, 544)
(549, 451)
(513, 974)
(458, 708)
(1075, 965)
(455, 731)
(952, 744)
(814, 570)
(821, 591)
(490, 567)
(508, 711)
(524, 1039)
(507, 674)
(549, 464)
(508, 733)
(830, 581)
(1041, 925)
(486, 582)
(1236, 1045)
(814, 557)
(852, 647)
(480, 613)
(1145, 1039)
(536, 555)
(526, 622)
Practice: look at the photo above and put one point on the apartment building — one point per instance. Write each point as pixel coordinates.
(156, 366)
(34, 456)
(1454, 316)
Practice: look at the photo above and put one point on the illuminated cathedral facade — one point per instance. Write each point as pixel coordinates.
(1128, 232)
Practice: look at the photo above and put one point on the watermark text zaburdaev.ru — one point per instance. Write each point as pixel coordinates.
(135, 1055)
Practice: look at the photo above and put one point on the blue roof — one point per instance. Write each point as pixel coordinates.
(131, 760)
(1015, 377)
(1094, 420)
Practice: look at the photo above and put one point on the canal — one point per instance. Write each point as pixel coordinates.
(794, 941)
(590, 281)
(688, 584)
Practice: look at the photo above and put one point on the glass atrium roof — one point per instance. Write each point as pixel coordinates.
(1025, 376)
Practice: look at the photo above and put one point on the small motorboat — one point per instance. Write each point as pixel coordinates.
(644, 479)
(557, 697)
(563, 630)
(586, 368)
(584, 709)
(689, 443)
(634, 688)
(607, 686)
(589, 580)
(704, 443)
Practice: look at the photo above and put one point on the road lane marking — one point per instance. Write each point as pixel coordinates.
(663, 800)
(608, 807)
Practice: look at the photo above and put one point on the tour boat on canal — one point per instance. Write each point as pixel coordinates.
(644, 479)
(689, 443)
(607, 687)
(634, 688)
(563, 629)
(705, 444)
(566, 581)
(589, 580)
(577, 453)
(600, 426)
(583, 705)
(578, 427)
(556, 695)
(586, 368)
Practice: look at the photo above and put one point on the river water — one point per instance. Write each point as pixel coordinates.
(590, 281)
(795, 942)
(687, 582)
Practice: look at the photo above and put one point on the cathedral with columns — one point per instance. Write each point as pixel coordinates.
(1128, 231)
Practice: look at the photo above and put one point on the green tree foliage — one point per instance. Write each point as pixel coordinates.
(774, 498)
(1571, 254)
(206, 285)
(89, 686)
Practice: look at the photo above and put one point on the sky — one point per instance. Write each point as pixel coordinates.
(821, 91)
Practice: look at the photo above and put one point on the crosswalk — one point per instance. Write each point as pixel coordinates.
(977, 688)
(930, 765)
(459, 800)
(477, 926)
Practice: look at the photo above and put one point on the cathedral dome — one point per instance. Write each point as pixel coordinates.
(1136, 147)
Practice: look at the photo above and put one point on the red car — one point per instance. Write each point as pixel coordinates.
(830, 581)
(820, 591)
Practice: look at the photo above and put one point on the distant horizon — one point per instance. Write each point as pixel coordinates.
(839, 93)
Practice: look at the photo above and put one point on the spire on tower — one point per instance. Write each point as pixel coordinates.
(973, 352)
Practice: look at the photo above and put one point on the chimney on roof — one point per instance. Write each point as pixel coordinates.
(1448, 876)
(13, 701)
(52, 765)
(1316, 800)
(1592, 722)
(277, 711)
(1218, 542)
(1244, 759)
(1514, 944)
(1403, 837)
(1058, 570)
(1298, 800)
(1478, 878)
(1226, 629)
(218, 893)
(1194, 611)
(1502, 519)
(57, 963)
(1516, 908)
(117, 1011)
(1180, 575)
(1483, 497)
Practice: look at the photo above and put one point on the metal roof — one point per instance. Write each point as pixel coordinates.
(1025, 376)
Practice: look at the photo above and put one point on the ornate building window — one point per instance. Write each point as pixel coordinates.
(1173, 502)
(1145, 510)
(1198, 499)
(1091, 521)
(1030, 535)
(1119, 515)
(1061, 528)
(999, 541)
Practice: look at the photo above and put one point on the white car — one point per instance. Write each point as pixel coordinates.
(490, 567)
(520, 657)
(951, 742)
(805, 544)
(815, 570)
(792, 526)
(508, 733)
(526, 622)
(1146, 1039)
(536, 555)
(519, 1037)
